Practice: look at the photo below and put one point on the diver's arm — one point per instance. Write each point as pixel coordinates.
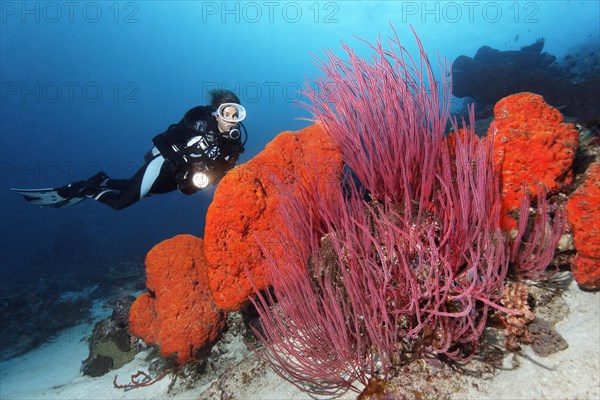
(176, 139)
(227, 162)
(170, 143)
(166, 150)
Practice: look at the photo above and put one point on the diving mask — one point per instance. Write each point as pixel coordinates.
(238, 115)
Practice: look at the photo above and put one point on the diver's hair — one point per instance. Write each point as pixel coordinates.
(220, 96)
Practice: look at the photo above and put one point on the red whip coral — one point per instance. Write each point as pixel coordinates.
(532, 145)
(415, 268)
(245, 206)
(178, 313)
(583, 210)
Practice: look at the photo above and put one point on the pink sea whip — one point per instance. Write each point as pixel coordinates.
(358, 285)
(536, 238)
(383, 113)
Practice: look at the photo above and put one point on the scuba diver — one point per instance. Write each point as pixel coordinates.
(189, 155)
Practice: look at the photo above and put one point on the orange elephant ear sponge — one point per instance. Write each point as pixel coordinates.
(583, 213)
(532, 145)
(178, 312)
(246, 206)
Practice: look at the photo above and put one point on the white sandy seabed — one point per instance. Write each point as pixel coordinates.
(52, 371)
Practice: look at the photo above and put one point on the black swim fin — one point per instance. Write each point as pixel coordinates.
(50, 197)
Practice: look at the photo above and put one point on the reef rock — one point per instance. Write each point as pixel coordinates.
(245, 208)
(110, 343)
(493, 74)
(532, 145)
(178, 312)
(583, 211)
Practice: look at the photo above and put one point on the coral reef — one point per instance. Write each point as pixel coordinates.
(583, 210)
(492, 74)
(532, 145)
(178, 312)
(410, 258)
(369, 240)
(245, 206)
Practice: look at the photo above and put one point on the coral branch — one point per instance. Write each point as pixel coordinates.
(383, 114)
(537, 237)
(140, 379)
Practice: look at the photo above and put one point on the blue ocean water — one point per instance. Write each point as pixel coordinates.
(87, 84)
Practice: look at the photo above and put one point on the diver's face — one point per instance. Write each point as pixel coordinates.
(228, 112)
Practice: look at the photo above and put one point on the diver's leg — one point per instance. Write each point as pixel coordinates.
(117, 184)
(79, 188)
(135, 188)
(102, 180)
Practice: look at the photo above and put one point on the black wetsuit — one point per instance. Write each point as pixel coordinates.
(173, 155)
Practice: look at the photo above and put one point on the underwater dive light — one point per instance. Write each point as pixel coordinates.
(200, 180)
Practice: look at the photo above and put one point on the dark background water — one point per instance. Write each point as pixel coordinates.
(86, 85)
